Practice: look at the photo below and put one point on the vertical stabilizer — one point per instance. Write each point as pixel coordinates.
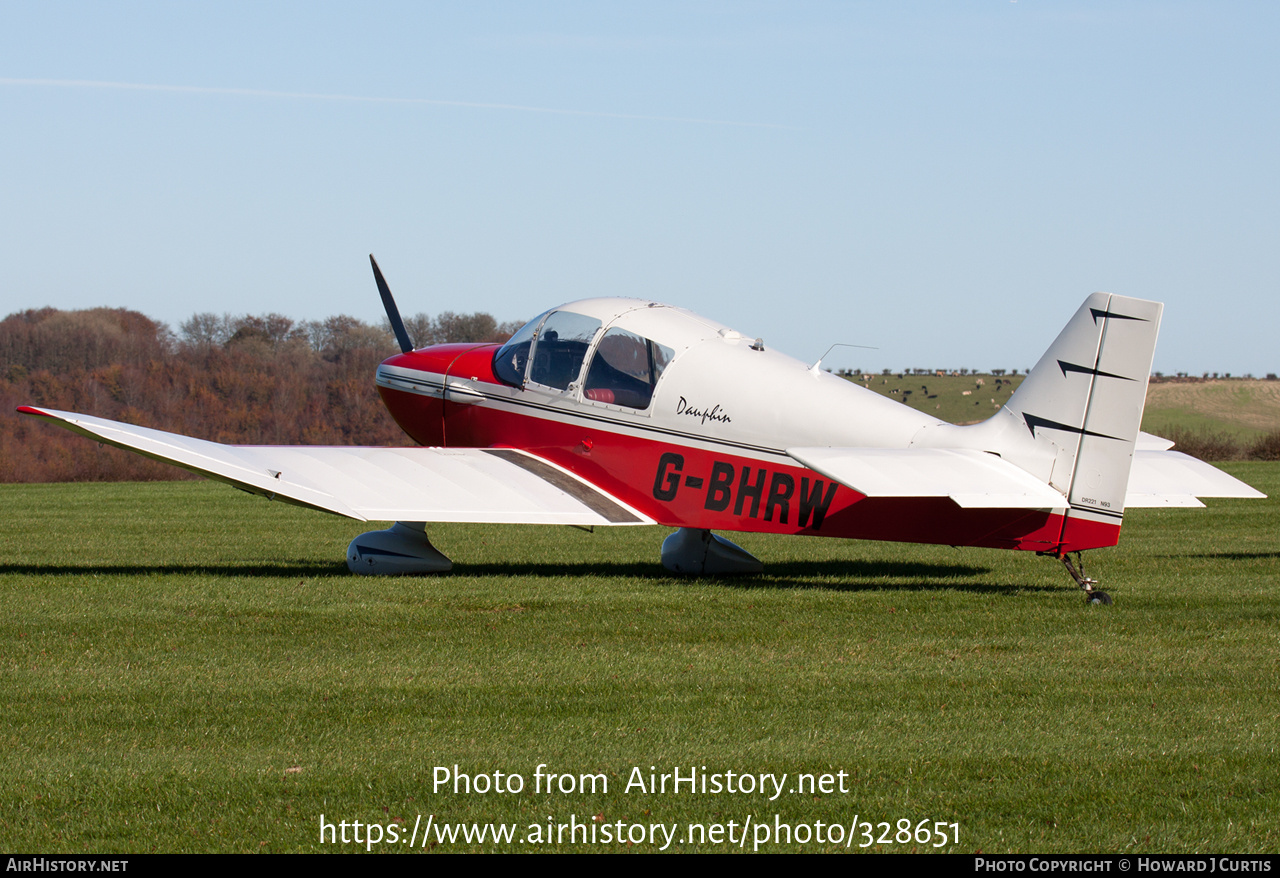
(1085, 398)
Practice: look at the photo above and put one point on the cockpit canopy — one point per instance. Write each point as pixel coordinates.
(623, 362)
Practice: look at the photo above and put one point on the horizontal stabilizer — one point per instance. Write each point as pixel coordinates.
(382, 484)
(1148, 442)
(1171, 478)
(973, 479)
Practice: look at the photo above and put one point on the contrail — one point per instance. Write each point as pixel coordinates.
(364, 99)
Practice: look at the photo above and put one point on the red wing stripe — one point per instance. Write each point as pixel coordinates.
(594, 499)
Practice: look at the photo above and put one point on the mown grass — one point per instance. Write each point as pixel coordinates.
(189, 669)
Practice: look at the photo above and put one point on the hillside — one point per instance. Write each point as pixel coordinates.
(1240, 407)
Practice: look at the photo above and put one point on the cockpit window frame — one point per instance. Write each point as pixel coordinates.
(572, 382)
(658, 359)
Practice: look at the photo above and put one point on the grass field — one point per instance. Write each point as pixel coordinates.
(189, 669)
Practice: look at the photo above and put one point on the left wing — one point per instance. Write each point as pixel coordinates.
(496, 485)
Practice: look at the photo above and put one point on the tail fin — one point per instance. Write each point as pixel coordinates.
(1085, 398)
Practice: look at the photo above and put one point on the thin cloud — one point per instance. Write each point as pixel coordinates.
(365, 99)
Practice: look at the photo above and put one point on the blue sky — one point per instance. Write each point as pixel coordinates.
(943, 181)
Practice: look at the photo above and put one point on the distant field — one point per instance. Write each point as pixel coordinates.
(1242, 408)
(186, 668)
(944, 397)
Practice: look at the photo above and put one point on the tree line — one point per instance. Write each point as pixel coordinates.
(252, 379)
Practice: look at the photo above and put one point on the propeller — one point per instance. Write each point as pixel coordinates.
(388, 303)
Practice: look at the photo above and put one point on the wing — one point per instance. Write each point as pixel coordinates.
(382, 484)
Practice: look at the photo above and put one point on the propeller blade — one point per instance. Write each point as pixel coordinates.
(388, 303)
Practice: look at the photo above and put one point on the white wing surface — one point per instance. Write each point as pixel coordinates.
(495, 485)
(973, 479)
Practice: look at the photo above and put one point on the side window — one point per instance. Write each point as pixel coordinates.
(560, 348)
(625, 369)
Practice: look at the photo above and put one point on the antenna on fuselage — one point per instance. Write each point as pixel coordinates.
(818, 365)
(389, 304)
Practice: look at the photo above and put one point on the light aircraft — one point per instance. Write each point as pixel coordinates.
(628, 412)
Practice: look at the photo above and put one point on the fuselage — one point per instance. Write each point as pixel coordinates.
(688, 422)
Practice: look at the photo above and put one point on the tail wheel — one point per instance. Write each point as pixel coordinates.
(1091, 595)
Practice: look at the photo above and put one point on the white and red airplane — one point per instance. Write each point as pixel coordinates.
(629, 412)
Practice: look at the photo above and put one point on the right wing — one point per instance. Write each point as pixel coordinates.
(497, 485)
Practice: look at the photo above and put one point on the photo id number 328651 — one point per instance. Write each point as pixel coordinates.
(933, 833)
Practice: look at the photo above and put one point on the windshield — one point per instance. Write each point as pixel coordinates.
(511, 359)
(548, 350)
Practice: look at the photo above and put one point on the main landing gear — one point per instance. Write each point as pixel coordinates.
(693, 551)
(1091, 595)
(401, 548)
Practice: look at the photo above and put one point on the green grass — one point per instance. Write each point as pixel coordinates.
(1162, 422)
(189, 669)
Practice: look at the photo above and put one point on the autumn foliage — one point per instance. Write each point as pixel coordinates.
(250, 380)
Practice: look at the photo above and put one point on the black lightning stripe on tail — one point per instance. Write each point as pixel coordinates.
(1072, 367)
(1096, 314)
(1033, 422)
